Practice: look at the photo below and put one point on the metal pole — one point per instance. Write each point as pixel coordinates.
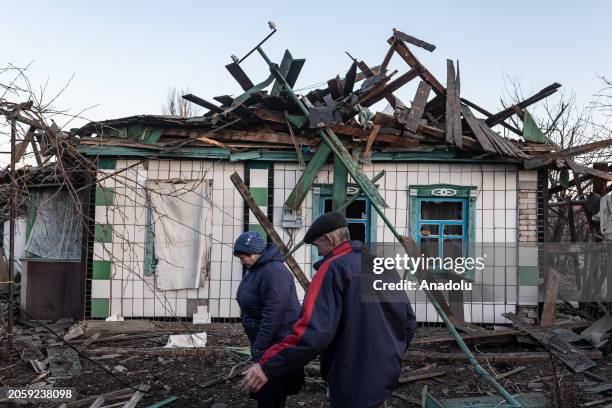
(12, 215)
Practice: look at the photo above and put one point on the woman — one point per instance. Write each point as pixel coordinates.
(270, 307)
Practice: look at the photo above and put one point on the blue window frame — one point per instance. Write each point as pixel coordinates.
(442, 226)
(358, 216)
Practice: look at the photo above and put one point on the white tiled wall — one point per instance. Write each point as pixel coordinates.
(133, 294)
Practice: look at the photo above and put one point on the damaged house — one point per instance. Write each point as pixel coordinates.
(163, 213)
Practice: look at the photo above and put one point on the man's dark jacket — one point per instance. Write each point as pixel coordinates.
(270, 307)
(361, 343)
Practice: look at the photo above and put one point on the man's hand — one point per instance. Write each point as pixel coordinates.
(254, 378)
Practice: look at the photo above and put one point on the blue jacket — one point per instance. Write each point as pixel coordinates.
(361, 343)
(268, 301)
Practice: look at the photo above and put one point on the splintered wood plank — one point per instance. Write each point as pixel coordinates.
(569, 152)
(365, 70)
(418, 106)
(453, 117)
(457, 127)
(572, 357)
(388, 56)
(371, 138)
(138, 395)
(550, 298)
(413, 40)
(98, 402)
(240, 76)
(476, 129)
(506, 113)
(494, 139)
(203, 103)
(389, 88)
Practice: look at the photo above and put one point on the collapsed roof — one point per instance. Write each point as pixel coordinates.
(267, 117)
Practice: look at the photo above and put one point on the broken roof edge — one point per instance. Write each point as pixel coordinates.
(440, 155)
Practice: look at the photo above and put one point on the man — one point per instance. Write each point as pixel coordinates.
(361, 343)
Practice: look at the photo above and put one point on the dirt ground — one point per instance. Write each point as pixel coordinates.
(186, 376)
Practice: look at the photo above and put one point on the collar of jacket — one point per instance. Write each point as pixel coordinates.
(343, 248)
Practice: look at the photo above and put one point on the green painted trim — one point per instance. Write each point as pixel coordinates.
(259, 165)
(107, 163)
(260, 194)
(528, 275)
(101, 270)
(259, 229)
(308, 177)
(104, 195)
(297, 120)
(151, 136)
(284, 156)
(425, 191)
(373, 225)
(242, 156)
(100, 307)
(103, 233)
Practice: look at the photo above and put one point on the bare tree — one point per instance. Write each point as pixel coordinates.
(175, 105)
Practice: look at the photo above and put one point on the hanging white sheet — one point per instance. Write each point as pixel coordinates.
(182, 225)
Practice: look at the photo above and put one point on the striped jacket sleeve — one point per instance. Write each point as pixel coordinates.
(314, 330)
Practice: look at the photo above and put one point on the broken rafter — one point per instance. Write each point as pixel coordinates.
(518, 107)
(370, 142)
(413, 40)
(411, 60)
(240, 76)
(564, 153)
(203, 103)
(577, 168)
(390, 88)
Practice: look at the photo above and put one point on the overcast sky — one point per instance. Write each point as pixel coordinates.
(125, 55)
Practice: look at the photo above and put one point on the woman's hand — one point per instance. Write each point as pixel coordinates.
(254, 378)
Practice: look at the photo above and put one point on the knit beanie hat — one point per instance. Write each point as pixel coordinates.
(249, 242)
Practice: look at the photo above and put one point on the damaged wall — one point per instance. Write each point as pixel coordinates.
(498, 207)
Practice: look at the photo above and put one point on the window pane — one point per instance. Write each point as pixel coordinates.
(327, 206)
(357, 209)
(357, 231)
(453, 247)
(453, 229)
(430, 229)
(429, 246)
(443, 210)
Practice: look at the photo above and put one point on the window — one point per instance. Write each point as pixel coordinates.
(442, 221)
(442, 227)
(357, 217)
